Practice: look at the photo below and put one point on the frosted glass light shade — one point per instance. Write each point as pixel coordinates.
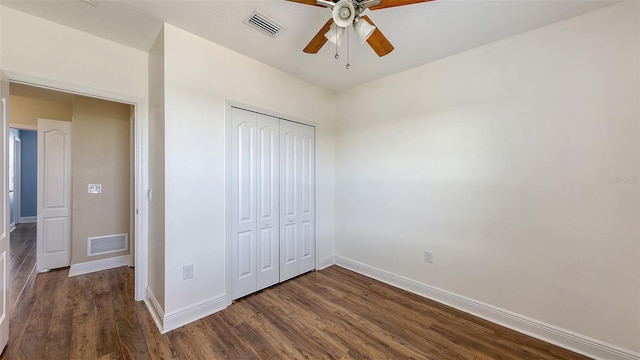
(364, 30)
(343, 13)
(335, 34)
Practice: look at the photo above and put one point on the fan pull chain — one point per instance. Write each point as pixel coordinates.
(348, 65)
(337, 56)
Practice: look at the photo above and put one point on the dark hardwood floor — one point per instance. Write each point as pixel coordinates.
(328, 314)
(22, 259)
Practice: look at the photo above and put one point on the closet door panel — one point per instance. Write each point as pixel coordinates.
(297, 186)
(289, 185)
(272, 200)
(243, 202)
(268, 201)
(306, 198)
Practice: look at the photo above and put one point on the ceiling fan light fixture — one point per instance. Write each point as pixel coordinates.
(335, 34)
(363, 30)
(343, 13)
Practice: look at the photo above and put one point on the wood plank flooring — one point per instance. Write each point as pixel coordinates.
(328, 314)
(22, 259)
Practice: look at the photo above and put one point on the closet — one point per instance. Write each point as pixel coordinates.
(272, 200)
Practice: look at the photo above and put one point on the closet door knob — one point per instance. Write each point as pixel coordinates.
(290, 220)
(266, 224)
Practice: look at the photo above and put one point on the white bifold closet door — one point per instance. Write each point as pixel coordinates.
(297, 200)
(254, 201)
(271, 201)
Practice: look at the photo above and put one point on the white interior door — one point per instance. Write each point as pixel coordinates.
(271, 201)
(307, 199)
(254, 201)
(268, 202)
(297, 199)
(243, 202)
(4, 214)
(54, 194)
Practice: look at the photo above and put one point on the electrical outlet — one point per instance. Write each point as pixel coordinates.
(187, 272)
(428, 257)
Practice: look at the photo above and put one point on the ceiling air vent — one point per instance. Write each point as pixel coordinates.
(264, 24)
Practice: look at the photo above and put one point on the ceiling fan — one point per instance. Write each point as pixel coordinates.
(349, 12)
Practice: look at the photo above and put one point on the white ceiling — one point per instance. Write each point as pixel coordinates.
(421, 33)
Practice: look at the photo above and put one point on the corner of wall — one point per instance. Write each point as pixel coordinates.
(552, 334)
(166, 322)
(155, 309)
(184, 316)
(156, 169)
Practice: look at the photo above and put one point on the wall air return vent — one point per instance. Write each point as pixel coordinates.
(264, 24)
(99, 245)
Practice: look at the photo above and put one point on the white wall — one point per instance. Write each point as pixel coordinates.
(199, 77)
(46, 53)
(156, 170)
(101, 155)
(43, 49)
(1, 51)
(516, 163)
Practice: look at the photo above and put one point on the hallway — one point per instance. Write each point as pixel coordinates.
(22, 260)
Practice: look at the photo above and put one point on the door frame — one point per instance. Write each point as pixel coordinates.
(17, 177)
(141, 160)
(17, 156)
(227, 186)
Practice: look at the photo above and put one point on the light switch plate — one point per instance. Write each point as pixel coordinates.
(95, 188)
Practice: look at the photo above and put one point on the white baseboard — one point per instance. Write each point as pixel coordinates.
(178, 318)
(326, 262)
(175, 319)
(98, 265)
(154, 309)
(561, 337)
(27, 219)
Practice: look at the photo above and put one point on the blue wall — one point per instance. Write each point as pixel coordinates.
(29, 175)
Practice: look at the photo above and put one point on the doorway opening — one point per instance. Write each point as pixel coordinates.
(106, 151)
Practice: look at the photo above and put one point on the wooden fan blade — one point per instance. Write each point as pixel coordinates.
(319, 40)
(393, 3)
(306, 2)
(378, 41)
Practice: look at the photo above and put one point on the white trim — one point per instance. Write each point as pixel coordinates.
(552, 334)
(27, 219)
(17, 168)
(23, 127)
(181, 317)
(175, 319)
(154, 309)
(141, 202)
(326, 262)
(227, 197)
(141, 162)
(56, 85)
(98, 265)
